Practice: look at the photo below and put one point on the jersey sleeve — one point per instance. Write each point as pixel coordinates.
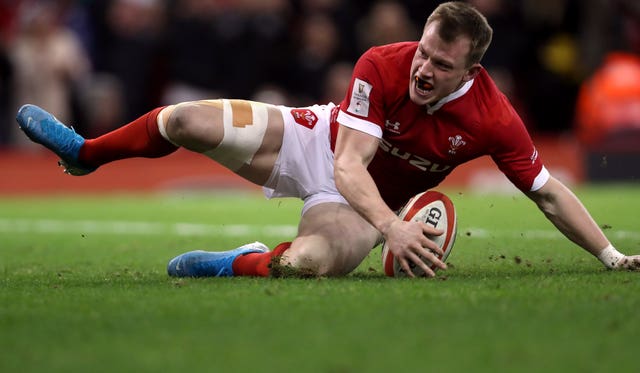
(362, 108)
(515, 155)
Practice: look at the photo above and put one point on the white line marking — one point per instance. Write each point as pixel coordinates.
(537, 234)
(52, 226)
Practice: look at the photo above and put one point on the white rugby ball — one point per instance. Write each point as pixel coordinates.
(435, 209)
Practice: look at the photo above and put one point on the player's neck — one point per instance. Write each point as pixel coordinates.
(458, 92)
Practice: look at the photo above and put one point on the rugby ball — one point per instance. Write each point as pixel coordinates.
(435, 209)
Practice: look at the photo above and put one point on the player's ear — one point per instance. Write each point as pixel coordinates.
(472, 72)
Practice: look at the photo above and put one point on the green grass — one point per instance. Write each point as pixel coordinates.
(83, 288)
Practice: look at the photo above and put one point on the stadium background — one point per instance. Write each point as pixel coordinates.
(98, 64)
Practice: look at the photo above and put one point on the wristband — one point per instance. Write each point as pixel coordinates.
(610, 257)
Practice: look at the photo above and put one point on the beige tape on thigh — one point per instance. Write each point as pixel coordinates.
(245, 123)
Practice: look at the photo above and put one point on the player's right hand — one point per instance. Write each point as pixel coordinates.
(408, 241)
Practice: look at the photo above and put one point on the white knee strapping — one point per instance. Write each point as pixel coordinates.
(162, 127)
(241, 139)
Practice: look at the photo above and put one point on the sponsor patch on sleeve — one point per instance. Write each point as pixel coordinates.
(359, 103)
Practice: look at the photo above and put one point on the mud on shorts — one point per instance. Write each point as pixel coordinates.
(304, 167)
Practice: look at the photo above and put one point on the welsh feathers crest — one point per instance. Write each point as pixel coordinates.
(455, 143)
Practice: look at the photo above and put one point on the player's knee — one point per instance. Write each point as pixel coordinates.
(189, 125)
(179, 123)
(306, 259)
(312, 260)
(303, 261)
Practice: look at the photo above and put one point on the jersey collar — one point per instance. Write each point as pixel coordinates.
(452, 96)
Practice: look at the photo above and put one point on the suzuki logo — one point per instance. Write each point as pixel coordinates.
(414, 160)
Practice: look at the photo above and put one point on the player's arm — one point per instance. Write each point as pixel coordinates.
(406, 240)
(570, 216)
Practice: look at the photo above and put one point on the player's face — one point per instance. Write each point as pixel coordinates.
(439, 68)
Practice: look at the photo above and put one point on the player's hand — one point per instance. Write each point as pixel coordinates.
(408, 241)
(631, 263)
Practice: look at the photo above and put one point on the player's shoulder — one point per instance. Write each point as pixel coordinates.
(485, 87)
(490, 102)
(391, 57)
(388, 66)
(401, 49)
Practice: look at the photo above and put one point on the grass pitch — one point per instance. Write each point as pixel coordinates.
(83, 288)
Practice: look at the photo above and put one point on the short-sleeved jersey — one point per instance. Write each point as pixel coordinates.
(419, 145)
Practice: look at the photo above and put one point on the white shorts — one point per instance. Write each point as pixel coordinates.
(304, 167)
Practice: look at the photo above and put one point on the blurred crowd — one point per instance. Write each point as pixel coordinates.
(97, 64)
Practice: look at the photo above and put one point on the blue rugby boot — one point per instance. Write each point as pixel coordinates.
(45, 129)
(201, 263)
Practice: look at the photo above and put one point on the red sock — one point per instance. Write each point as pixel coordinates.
(140, 138)
(257, 264)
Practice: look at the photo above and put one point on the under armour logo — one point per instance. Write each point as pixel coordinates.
(392, 126)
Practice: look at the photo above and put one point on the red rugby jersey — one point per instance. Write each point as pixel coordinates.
(420, 146)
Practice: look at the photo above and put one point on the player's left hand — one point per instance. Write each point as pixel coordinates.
(630, 262)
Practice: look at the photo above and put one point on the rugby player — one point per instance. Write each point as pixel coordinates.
(413, 112)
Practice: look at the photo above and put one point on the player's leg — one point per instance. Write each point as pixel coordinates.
(244, 136)
(80, 156)
(332, 238)
(332, 241)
